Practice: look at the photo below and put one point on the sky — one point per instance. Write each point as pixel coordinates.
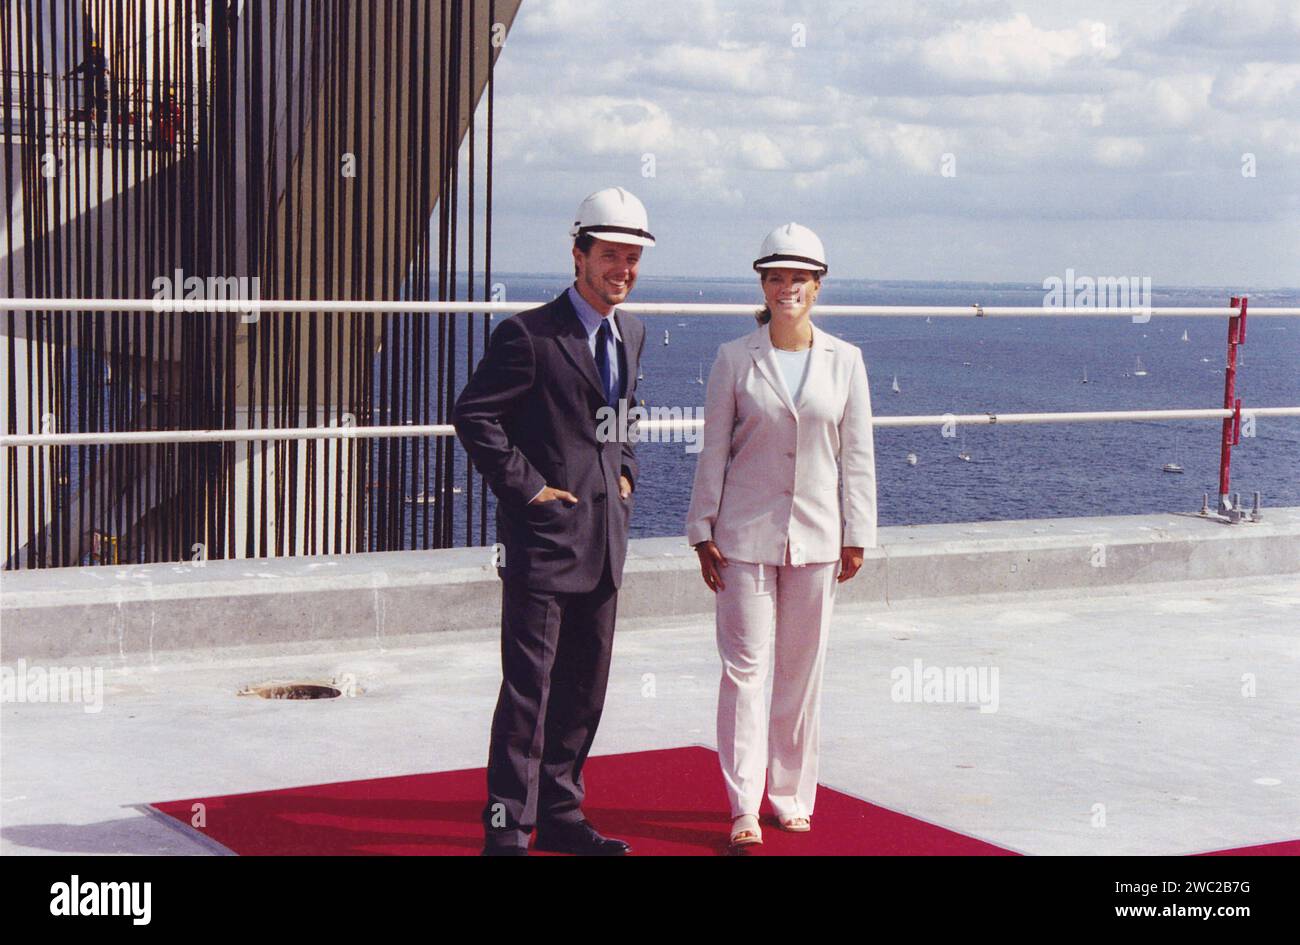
(940, 140)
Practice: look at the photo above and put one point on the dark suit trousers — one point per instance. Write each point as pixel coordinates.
(555, 652)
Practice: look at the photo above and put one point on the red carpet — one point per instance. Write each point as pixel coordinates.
(665, 803)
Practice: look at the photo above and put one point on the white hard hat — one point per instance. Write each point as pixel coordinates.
(791, 246)
(613, 214)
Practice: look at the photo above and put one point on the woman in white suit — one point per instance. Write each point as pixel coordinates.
(783, 507)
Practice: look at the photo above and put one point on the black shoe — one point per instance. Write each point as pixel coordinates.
(580, 839)
(490, 850)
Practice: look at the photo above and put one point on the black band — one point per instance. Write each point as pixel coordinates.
(610, 228)
(789, 257)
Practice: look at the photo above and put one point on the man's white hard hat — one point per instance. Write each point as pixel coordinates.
(791, 246)
(615, 215)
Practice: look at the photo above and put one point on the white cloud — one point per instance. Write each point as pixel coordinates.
(1254, 26)
(759, 151)
(1138, 113)
(724, 66)
(1013, 50)
(1259, 86)
(567, 127)
(1119, 152)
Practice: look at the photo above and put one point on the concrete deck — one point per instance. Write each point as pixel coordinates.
(1131, 696)
(132, 615)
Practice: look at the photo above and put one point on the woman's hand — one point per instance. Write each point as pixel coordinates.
(711, 559)
(850, 561)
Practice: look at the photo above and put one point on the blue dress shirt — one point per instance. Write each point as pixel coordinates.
(591, 320)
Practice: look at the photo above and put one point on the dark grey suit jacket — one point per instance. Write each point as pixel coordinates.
(528, 418)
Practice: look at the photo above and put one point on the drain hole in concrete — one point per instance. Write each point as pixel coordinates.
(295, 691)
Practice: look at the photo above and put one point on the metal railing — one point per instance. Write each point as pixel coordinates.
(272, 306)
(259, 306)
(16, 440)
(661, 419)
(68, 112)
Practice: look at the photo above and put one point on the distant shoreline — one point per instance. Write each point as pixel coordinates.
(894, 283)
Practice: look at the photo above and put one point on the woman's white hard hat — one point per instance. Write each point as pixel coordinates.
(615, 215)
(791, 246)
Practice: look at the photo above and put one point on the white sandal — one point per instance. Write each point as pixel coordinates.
(796, 824)
(745, 831)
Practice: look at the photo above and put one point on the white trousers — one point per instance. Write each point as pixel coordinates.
(799, 598)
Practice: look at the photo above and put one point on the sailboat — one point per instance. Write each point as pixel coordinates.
(427, 498)
(1139, 371)
(962, 454)
(640, 374)
(894, 386)
(699, 378)
(665, 336)
(1184, 334)
(1173, 467)
(1085, 376)
(911, 459)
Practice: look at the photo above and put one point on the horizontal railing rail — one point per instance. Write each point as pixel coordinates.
(65, 102)
(648, 426)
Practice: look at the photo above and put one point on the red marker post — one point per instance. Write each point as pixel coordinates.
(1231, 425)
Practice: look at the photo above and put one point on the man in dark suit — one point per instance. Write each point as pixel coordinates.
(530, 419)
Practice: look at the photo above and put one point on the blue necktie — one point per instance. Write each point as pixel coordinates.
(603, 335)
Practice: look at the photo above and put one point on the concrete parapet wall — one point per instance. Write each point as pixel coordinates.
(137, 613)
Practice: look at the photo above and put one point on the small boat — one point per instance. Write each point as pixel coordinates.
(640, 374)
(894, 386)
(665, 336)
(1085, 376)
(1205, 360)
(429, 498)
(965, 364)
(1184, 334)
(1139, 371)
(911, 459)
(962, 454)
(699, 378)
(927, 319)
(1175, 466)
(681, 324)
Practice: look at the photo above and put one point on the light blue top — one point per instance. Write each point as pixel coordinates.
(591, 320)
(794, 368)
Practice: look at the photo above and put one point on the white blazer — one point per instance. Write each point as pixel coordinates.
(769, 475)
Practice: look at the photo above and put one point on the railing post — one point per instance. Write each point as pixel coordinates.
(1231, 425)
